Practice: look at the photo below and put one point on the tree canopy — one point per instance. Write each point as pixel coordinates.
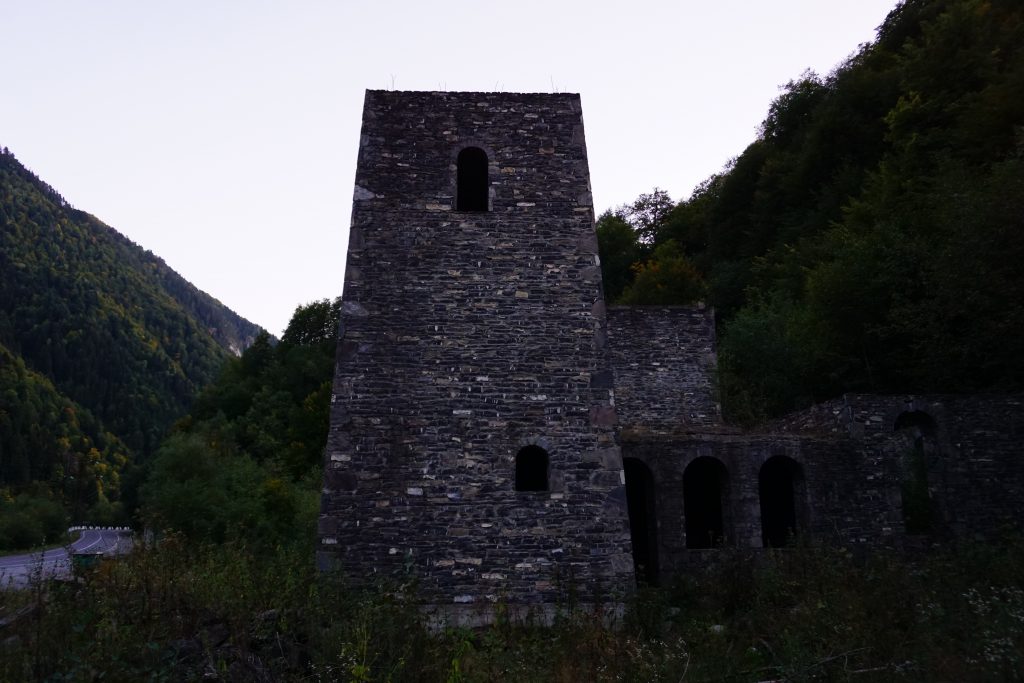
(102, 347)
(871, 237)
(246, 461)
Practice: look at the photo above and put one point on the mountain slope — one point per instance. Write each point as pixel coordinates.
(871, 237)
(47, 439)
(109, 324)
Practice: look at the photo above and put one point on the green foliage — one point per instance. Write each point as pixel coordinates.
(185, 611)
(245, 463)
(56, 453)
(667, 277)
(30, 520)
(870, 238)
(762, 359)
(647, 214)
(619, 248)
(102, 346)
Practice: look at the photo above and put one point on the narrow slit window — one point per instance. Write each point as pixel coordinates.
(532, 469)
(471, 193)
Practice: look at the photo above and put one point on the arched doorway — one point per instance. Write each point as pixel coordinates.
(780, 487)
(705, 496)
(643, 528)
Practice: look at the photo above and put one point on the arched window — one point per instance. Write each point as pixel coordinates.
(532, 469)
(471, 193)
(780, 484)
(642, 520)
(917, 504)
(705, 492)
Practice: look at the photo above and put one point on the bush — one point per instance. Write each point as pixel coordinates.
(174, 611)
(29, 521)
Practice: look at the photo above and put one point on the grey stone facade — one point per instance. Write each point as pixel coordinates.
(853, 475)
(664, 363)
(467, 337)
(474, 339)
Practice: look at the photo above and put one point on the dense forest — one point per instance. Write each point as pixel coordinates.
(246, 461)
(871, 237)
(102, 347)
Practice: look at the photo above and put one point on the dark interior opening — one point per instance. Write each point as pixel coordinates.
(642, 520)
(532, 469)
(471, 193)
(704, 491)
(778, 482)
(917, 420)
(917, 505)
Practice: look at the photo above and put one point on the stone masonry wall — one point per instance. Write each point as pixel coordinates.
(466, 336)
(975, 477)
(853, 464)
(843, 496)
(664, 362)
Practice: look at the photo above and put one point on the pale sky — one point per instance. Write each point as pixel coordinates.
(222, 135)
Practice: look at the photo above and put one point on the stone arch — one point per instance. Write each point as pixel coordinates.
(643, 528)
(472, 182)
(705, 503)
(532, 469)
(781, 487)
(920, 451)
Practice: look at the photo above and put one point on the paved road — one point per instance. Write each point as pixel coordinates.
(17, 570)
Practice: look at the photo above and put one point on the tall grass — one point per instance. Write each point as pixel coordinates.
(227, 612)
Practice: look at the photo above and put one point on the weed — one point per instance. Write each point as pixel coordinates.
(172, 612)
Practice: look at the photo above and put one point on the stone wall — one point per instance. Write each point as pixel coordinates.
(466, 336)
(664, 362)
(853, 465)
(842, 495)
(974, 464)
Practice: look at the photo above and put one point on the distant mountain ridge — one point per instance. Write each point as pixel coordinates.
(231, 330)
(99, 326)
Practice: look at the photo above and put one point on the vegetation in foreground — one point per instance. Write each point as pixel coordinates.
(102, 347)
(225, 612)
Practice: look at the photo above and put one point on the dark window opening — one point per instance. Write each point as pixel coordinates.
(779, 484)
(532, 469)
(471, 193)
(915, 496)
(642, 520)
(705, 492)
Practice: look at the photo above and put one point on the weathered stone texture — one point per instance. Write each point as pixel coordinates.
(664, 362)
(838, 497)
(852, 462)
(974, 468)
(466, 336)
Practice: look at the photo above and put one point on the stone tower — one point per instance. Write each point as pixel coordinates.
(472, 436)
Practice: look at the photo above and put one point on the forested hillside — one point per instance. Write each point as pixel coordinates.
(245, 463)
(102, 346)
(872, 236)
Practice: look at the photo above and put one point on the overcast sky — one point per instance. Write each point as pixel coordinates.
(223, 135)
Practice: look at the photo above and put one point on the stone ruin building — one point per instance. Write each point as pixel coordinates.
(499, 435)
